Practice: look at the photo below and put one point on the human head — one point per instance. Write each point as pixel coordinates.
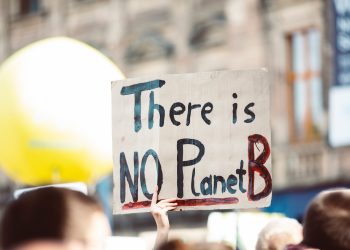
(327, 221)
(278, 233)
(53, 215)
(180, 245)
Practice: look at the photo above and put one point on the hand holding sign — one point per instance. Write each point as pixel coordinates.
(160, 208)
(159, 212)
(203, 138)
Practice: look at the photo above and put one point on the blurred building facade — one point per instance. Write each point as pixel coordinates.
(291, 38)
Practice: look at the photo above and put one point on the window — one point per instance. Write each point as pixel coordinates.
(304, 85)
(27, 7)
(149, 45)
(209, 32)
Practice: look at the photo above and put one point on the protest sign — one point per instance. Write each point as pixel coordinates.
(203, 138)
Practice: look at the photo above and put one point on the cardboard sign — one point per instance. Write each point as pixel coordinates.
(203, 138)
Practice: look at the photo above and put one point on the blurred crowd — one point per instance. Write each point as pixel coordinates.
(54, 218)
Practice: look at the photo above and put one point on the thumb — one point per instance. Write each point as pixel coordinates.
(155, 196)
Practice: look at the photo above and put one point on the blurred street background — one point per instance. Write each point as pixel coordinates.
(304, 44)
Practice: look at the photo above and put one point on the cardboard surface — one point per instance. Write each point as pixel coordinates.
(204, 138)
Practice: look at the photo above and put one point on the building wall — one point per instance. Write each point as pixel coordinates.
(295, 164)
(164, 36)
(312, 162)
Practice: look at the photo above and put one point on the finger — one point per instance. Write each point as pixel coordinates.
(155, 196)
(169, 209)
(167, 204)
(171, 200)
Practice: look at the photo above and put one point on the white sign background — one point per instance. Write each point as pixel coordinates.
(225, 141)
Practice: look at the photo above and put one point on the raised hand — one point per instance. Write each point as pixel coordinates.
(159, 210)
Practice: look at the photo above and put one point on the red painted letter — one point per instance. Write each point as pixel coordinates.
(257, 165)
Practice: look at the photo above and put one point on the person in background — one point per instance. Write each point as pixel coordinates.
(279, 233)
(327, 221)
(57, 218)
(180, 245)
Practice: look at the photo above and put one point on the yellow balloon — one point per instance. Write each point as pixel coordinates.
(55, 113)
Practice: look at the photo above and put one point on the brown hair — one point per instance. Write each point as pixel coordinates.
(46, 214)
(180, 245)
(327, 221)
